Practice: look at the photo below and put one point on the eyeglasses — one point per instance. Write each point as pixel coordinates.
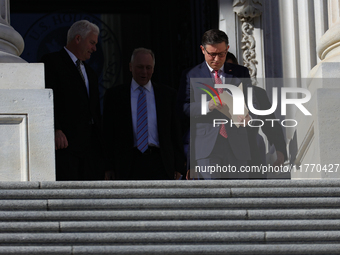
(213, 55)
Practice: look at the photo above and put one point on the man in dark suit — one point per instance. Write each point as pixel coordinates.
(77, 118)
(141, 127)
(261, 102)
(212, 146)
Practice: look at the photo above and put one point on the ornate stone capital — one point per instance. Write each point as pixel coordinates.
(248, 9)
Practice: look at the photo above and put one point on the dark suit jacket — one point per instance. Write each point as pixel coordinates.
(118, 129)
(274, 134)
(189, 101)
(261, 102)
(73, 109)
(236, 70)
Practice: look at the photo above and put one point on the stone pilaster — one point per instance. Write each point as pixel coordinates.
(26, 111)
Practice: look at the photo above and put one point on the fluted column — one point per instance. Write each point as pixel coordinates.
(320, 145)
(329, 45)
(11, 42)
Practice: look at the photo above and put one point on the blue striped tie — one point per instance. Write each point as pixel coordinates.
(142, 121)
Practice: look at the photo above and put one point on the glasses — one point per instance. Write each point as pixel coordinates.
(213, 55)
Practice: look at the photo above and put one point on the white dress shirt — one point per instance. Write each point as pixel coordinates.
(221, 73)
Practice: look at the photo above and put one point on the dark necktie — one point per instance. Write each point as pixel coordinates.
(78, 62)
(142, 121)
(223, 131)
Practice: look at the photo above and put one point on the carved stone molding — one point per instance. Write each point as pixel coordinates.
(247, 10)
(248, 47)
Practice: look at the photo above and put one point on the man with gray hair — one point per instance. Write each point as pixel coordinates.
(77, 118)
(141, 128)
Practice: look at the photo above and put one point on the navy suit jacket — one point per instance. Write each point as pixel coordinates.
(202, 130)
(118, 129)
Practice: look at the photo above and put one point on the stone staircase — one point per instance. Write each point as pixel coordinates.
(170, 217)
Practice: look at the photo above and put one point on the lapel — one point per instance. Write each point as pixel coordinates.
(228, 68)
(205, 73)
(125, 103)
(160, 104)
(73, 74)
(204, 70)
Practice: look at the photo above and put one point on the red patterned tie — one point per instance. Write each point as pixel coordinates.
(223, 131)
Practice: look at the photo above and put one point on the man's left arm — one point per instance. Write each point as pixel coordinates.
(176, 136)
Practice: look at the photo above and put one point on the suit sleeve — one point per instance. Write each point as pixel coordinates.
(51, 82)
(177, 139)
(108, 122)
(274, 133)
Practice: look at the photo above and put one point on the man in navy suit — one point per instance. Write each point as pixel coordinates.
(77, 119)
(151, 149)
(222, 146)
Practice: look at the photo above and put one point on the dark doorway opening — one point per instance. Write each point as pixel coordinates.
(172, 29)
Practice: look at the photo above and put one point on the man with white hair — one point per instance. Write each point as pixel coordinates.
(141, 127)
(77, 119)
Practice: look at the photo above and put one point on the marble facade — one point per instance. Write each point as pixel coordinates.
(26, 111)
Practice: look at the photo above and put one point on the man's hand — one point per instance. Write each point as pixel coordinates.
(213, 106)
(109, 175)
(177, 175)
(280, 159)
(60, 140)
(188, 175)
(246, 118)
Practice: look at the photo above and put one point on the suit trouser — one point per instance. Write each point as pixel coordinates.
(85, 165)
(148, 165)
(221, 163)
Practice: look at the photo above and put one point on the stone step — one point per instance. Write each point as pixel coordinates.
(213, 237)
(163, 215)
(168, 226)
(232, 249)
(327, 183)
(170, 217)
(166, 193)
(190, 203)
(171, 203)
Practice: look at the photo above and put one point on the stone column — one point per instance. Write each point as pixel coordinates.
(26, 111)
(323, 142)
(329, 45)
(11, 42)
